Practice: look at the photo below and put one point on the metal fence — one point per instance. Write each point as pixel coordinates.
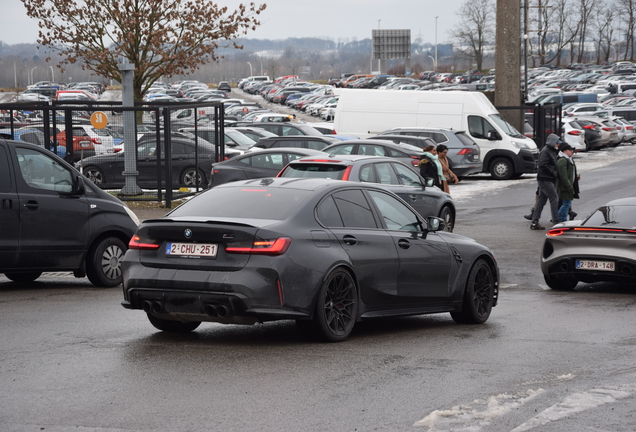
(543, 120)
(170, 165)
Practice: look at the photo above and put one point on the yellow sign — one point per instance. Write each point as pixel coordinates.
(99, 120)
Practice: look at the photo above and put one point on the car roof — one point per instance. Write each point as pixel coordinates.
(380, 142)
(346, 159)
(629, 201)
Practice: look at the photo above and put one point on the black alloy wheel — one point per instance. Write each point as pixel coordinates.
(337, 307)
(478, 296)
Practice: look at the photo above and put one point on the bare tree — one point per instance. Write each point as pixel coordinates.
(604, 23)
(476, 29)
(558, 16)
(162, 38)
(628, 15)
(587, 9)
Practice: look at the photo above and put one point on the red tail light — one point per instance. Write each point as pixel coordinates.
(96, 141)
(575, 132)
(347, 173)
(415, 160)
(629, 127)
(466, 151)
(618, 128)
(557, 231)
(607, 129)
(263, 247)
(590, 127)
(136, 242)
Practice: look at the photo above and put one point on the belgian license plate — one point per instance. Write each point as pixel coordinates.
(191, 249)
(595, 265)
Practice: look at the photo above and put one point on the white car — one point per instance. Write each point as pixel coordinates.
(102, 139)
(573, 134)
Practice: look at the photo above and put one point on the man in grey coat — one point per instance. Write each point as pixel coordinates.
(547, 177)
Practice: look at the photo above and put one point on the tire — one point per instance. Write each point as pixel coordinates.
(173, 326)
(337, 307)
(447, 214)
(23, 277)
(560, 284)
(95, 175)
(478, 295)
(501, 169)
(188, 178)
(103, 263)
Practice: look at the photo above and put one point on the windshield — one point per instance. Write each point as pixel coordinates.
(505, 126)
(614, 216)
(240, 138)
(305, 170)
(249, 202)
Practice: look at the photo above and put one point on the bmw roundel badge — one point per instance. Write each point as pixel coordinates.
(187, 233)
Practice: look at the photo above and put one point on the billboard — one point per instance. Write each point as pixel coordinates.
(391, 44)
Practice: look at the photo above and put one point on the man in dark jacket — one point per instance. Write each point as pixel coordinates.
(547, 177)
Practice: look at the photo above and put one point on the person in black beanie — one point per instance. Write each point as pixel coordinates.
(547, 177)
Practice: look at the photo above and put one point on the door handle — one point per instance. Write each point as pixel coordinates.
(32, 205)
(413, 197)
(7, 204)
(349, 240)
(404, 244)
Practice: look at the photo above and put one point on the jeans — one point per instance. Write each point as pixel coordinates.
(547, 191)
(564, 211)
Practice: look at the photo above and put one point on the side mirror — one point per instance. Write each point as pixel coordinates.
(435, 224)
(78, 185)
(493, 135)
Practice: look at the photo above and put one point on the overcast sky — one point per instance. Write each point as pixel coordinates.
(284, 18)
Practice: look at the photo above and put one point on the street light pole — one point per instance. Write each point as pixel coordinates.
(52, 74)
(31, 75)
(436, 43)
(251, 74)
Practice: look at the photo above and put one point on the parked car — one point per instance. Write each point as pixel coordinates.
(224, 86)
(286, 129)
(325, 253)
(33, 136)
(264, 163)
(407, 153)
(390, 173)
(609, 134)
(254, 133)
(53, 219)
(106, 171)
(307, 141)
(102, 139)
(593, 135)
(235, 141)
(601, 247)
(463, 153)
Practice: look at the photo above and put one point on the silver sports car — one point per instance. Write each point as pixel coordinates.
(600, 248)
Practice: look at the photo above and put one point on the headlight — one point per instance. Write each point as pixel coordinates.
(132, 215)
(521, 145)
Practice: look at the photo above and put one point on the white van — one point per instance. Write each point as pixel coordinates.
(504, 151)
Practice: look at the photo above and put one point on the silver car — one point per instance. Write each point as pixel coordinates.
(602, 247)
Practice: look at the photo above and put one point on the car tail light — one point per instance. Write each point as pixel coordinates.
(607, 129)
(591, 127)
(618, 128)
(347, 173)
(415, 160)
(262, 247)
(575, 132)
(97, 141)
(137, 242)
(629, 127)
(557, 231)
(466, 151)
(116, 150)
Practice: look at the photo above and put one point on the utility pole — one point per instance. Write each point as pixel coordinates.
(508, 61)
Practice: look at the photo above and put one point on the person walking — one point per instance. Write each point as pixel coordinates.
(567, 184)
(430, 166)
(449, 176)
(546, 178)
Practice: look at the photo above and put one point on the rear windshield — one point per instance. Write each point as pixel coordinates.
(249, 202)
(613, 216)
(464, 139)
(306, 170)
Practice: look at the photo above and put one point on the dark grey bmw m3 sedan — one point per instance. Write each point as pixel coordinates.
(325, 253)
